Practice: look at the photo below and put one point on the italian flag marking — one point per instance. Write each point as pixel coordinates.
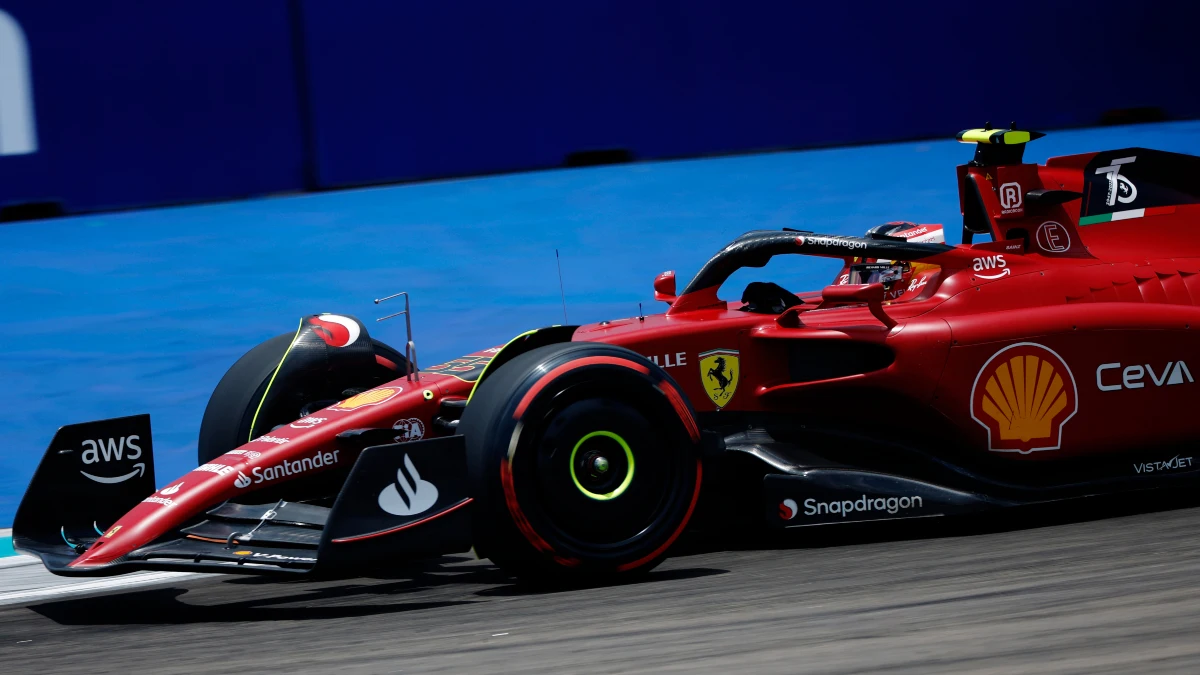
(1126, 215)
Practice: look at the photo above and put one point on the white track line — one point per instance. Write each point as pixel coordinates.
(94, 586)
(24, 580)
(17, 561)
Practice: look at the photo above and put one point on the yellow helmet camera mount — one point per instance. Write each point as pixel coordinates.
(998, 146)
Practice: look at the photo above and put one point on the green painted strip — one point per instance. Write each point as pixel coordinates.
(1091, 220)
(1115, 215)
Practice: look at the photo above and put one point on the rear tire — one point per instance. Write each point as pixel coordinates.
(583, 461)
(231, 409)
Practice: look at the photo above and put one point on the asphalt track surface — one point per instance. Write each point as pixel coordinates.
(1095, 589)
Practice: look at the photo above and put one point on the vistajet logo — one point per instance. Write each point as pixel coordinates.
(1174, 464)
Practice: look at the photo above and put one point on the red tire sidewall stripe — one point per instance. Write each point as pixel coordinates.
(569, 366)
(506, 477)
(522, 523)
(678, 531)
(681, 408)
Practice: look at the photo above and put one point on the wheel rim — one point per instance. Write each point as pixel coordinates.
(591, 461)
(607, 512)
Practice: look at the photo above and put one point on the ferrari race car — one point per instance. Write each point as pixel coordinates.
(1049, 362)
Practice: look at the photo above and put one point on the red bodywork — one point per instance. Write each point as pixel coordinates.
(1066, 342)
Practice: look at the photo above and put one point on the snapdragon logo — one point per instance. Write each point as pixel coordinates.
(835, 242)
(863, 504)
(17, 133)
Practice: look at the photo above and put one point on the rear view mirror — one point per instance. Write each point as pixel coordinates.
(664, 287)
(848, 294)
(852, 293)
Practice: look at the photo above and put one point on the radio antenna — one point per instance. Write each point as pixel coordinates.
(561, 292)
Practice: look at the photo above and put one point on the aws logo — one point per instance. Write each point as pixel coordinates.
(18, 135)
(991, 263)
(104, 451)
(1024, 395)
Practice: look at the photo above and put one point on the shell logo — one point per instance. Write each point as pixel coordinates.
(367, 398)
(1023, 395)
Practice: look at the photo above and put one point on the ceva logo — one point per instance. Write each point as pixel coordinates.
(17, 133)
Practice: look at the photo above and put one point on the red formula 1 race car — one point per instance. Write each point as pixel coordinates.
(1052, 361)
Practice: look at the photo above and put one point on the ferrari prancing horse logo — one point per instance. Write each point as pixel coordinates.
(719, 372)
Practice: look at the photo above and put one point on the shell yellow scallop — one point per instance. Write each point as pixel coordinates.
(1023, 395)
(366, 398)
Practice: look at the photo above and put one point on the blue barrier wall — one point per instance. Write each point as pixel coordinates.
(411, 90)
(153, 103)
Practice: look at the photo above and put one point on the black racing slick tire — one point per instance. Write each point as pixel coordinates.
(584, 463)
(239, 410)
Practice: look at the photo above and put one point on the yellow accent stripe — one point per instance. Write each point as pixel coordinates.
(1016, 137)
(257, 410)
(489, 363)
(993, 136)
(628, 461)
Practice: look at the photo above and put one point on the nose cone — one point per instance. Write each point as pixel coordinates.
(156, 515)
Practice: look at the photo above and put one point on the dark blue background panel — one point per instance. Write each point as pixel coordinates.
(412, 90)
(404, 91)
(151, 102)
(157, 103)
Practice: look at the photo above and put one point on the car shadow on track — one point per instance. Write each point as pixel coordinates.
(441, 582)
(653, 576)
(163, 606)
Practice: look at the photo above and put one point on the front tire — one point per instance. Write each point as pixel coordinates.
(234, 415)
(583, 459)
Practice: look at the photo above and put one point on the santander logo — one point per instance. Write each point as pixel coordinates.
(419, 495)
